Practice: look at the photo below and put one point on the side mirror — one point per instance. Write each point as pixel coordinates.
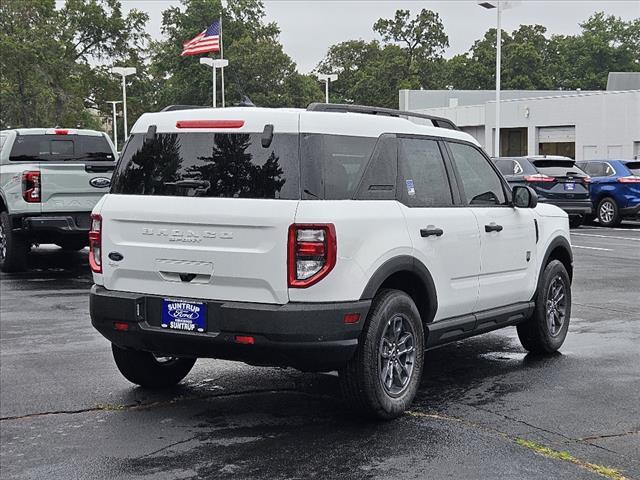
(524, 197)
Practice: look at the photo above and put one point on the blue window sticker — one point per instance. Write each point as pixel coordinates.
(410, 189)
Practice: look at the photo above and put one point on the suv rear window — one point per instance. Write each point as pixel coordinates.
(634, 167)
(60, 148)
(557, 168)
(333, 165)
(230, 165)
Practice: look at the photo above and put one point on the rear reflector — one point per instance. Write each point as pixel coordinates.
(121, 326)
(209, 123)
(350, 318)
(245, 339)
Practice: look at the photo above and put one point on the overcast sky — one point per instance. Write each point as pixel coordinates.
(309, 28)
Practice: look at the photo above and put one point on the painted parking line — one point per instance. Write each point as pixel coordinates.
(605, 236)
(593, 248)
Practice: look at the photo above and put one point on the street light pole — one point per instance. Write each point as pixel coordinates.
(496, 148)
(115, 125)
(331, 77)
(499, 5)
(214, 64)
(124, 72)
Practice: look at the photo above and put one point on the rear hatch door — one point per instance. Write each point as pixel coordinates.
(570, 183)
(75, 169)
(203, 215)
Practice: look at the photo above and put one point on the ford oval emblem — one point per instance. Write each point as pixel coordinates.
(116, 256)
(100, 182)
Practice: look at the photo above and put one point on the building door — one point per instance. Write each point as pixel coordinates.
(557, 141)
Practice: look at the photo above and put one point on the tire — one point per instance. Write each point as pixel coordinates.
(608, 213)
(360, 381)
(575, 221)
(146, 370)
(73, 245)
(540, 334)
(13, 248)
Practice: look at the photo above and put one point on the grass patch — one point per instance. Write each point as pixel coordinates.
(540, 449)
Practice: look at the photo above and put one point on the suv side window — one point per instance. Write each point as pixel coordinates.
(595, 169)
(425, 182)
(482, 185)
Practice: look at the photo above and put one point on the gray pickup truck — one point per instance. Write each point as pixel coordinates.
(50, 180)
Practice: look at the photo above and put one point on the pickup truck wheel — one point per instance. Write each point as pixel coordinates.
(608, 213)
(149, 370)
(73, 245)
(383, 376)
(546, 330)
(13, 248)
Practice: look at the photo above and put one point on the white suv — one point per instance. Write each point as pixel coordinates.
(333, 238)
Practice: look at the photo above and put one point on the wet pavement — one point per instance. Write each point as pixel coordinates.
(485, 408)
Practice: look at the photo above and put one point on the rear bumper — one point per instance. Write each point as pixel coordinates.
(573, 207)
(58, 223)
(307, 336)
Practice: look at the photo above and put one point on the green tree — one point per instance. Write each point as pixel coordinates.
(423, 37)
(371, 73)
(258, 66)
(47, 56)
(531, 60)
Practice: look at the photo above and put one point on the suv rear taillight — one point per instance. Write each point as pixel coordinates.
(311, 253)
(539, 177)
(630, 179)
(95, 244)
(31, 186)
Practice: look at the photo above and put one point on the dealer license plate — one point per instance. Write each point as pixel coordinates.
(184, 315)
(569, 186)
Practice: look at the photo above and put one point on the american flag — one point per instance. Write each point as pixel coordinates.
(207, 41)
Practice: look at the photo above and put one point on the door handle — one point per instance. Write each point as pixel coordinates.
(492, 227)
(428, 232)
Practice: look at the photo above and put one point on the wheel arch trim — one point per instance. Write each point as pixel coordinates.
(562, 244)
(404, 263)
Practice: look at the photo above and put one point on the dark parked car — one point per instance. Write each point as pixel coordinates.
(557, 180)
(615, 189)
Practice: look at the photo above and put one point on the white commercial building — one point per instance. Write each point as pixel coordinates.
(581, 125)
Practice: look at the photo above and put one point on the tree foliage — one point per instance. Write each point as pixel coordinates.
(48, 56)
(373, 72)
(55, 59)
(258, 65)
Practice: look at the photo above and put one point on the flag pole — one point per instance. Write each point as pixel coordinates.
(221, 57)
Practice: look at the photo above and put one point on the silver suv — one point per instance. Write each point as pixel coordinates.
(50, 180)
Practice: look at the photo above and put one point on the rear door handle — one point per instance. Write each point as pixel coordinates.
(428, 232)
(492, 227)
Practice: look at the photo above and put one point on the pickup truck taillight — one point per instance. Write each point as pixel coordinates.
(95, 244)
(31, 186)
(311, 253)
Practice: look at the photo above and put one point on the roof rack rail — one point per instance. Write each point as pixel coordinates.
(173, 108)
(440, 122)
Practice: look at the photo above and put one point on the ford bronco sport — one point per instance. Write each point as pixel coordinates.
(50, 179)
(338, 237)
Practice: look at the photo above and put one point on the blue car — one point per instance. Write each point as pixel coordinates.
(615, 189)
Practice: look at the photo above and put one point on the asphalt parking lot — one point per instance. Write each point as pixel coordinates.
(485, 409)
